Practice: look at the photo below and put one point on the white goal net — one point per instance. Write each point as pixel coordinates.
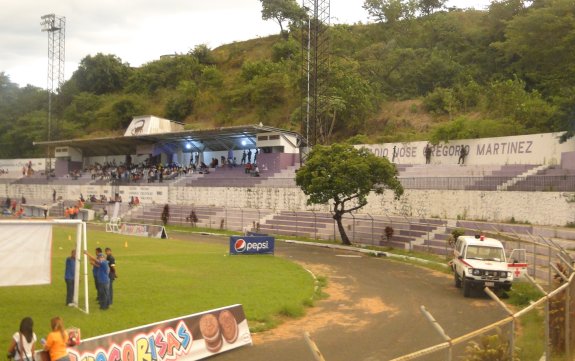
(26, 246)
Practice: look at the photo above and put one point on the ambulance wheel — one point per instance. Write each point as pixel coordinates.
(466, 289)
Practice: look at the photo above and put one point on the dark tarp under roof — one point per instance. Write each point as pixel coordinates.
(218, 139)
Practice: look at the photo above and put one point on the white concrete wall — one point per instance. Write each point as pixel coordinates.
(542, 208)
(14, 166)
(523, 149)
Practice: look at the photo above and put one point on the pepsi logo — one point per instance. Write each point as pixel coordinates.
(240, 245)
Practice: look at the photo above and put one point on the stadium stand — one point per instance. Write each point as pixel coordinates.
(548, 179)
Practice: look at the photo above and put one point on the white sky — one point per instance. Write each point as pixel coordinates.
(139, 31)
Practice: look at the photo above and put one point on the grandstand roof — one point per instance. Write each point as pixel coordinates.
(217, 139)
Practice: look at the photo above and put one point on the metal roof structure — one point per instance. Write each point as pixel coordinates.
(217, 139)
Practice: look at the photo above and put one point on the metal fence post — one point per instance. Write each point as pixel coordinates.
(296, 223)
(568, 321)
(547, 348)
(534, 260)
(549, 262)
(314, 225)
(352, 226)
(372, 229)
(440, 330)
(510, 313)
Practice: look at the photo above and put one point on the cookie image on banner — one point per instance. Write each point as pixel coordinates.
(210, 329)
(229, 326)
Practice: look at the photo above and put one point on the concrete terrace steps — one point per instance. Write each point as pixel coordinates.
(448, 170)
(178, 214)
(360, 229)
(519, 177)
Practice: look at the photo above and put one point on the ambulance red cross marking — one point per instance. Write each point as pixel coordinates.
(517, 272)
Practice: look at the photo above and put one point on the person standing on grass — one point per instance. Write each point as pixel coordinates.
(93, 262)
(69, 277)
(112, 275)
(102, 276)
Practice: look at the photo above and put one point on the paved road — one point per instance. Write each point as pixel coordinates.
(373, 312)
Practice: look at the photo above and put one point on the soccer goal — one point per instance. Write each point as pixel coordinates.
(26, 246)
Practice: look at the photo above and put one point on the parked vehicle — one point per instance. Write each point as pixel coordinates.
(480, 262)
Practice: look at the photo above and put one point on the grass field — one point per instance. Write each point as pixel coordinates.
(158, 280)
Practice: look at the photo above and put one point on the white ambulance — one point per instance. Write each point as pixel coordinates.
(480, 262)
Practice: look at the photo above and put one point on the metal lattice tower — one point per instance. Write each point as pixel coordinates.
(55, 26)
(315, 67)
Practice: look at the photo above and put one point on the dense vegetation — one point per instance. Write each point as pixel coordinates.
(416, 73)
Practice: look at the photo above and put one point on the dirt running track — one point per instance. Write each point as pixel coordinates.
(372, 313)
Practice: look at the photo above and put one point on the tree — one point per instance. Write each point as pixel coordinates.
(204, 54)
(281, 11)
(101, 74)
(428, 6)
(165, 214)
(539, 46)
(345, 176)
(390, 11)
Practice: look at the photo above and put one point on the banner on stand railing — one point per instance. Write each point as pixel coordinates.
(189, 338)
(143, 230)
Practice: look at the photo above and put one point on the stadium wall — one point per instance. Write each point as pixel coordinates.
(541, 208)
(521, 149)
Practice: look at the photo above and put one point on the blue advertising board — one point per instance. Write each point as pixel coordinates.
(251, 245)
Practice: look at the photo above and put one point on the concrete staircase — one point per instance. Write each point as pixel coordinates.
(520, 177)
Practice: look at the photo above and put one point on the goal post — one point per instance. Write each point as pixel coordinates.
(29, 243)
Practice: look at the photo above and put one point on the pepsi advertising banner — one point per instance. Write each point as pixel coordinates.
(251, 245)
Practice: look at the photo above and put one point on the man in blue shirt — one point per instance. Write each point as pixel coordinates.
(69, 277)
(95, 270)
(101, 270)
(103, 281)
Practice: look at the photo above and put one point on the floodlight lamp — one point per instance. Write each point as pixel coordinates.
(48, 22)
(188, 146)
(243, 142)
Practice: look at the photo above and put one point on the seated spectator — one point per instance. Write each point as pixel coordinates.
(19, 213)
(256, 171)
(204, 168)
(248, 168)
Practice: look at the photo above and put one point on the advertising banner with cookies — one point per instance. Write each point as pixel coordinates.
(192, 337)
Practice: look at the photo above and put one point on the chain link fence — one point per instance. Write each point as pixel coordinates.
(538, 331)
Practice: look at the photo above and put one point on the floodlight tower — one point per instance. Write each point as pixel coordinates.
(315, 67)
(55, 26)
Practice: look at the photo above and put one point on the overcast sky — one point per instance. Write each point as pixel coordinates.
(138, 31)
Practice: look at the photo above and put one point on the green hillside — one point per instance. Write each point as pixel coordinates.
(444, 75)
